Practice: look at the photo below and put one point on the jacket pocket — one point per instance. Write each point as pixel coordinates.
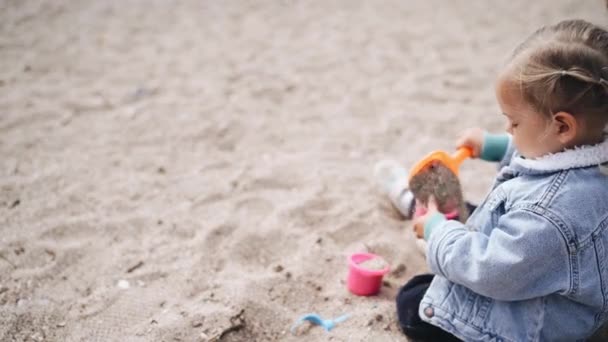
(467, 305)
(496, 205)
(478, 307)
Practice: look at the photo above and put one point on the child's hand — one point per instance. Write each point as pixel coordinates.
(420, 221)
(472, 138)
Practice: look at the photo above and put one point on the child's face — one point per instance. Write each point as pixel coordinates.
(532, 132)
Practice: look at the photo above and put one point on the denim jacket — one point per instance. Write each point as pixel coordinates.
(531, 263)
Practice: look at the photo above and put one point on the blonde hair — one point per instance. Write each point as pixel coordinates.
(564, 67)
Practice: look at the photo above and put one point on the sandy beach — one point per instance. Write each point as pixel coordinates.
(200, 170)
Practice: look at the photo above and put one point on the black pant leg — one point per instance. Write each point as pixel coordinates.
(470, 207)
(408, 301)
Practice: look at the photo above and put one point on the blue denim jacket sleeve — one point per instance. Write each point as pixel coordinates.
(525, 256)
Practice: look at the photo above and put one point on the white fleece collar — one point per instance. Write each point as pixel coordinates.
(577, 157)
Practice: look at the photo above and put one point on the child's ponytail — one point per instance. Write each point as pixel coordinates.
(564, 67)
(584, 76)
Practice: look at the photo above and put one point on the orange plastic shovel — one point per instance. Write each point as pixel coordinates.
(452, 162)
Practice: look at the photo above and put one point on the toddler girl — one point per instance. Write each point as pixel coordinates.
(531, 263)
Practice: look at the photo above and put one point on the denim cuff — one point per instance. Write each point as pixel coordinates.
(494, 146)
(435, 220)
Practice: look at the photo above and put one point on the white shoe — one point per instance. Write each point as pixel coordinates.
(392, 178)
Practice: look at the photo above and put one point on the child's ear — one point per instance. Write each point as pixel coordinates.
(566, 127)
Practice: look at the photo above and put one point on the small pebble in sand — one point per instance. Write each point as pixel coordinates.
(374, 264)
(15, 203)
(278, 268)
(123, 284)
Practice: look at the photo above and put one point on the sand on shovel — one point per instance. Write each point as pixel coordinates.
(440, 182)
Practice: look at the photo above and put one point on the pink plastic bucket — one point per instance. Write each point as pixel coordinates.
(362, 281)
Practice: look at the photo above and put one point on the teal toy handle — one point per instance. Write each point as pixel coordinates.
(330, 324)
(327, 324)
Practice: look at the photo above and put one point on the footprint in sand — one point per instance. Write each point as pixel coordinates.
(31, 260)
(313, 212)
(261, 251)
(216, 166)
(75, 231)
(254, 250)
(45, 261)
(350, 233)
(275, 183)
(264, 320)
(254, 209)
(96, 303)
(225, 135)
(209, 199)
(217, 236)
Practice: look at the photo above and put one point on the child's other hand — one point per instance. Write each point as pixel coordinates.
(420, 221)
(472, 138)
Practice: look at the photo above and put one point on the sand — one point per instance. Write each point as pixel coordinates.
(375, 264)
(440, 183)
(202, 169)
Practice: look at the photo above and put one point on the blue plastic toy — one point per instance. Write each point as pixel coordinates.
(315, 319)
